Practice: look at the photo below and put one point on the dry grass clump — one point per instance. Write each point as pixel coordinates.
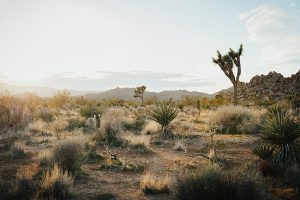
(182, 128)
(45, 158)
(154, 185)
(14, 116)
(58, 127)
(212, 183)
(44, 114)
(111, 125)
(56, 184)
(68, 155)
(39, 127)
(150, 128)
(235, 119)
(138, 140)
(18, 149)
(139, 143)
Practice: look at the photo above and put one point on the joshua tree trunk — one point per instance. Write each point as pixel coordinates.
(142, 97)
(235, 94)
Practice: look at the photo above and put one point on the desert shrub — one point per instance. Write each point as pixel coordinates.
(155, 185)
(137, 125)
(56, 184)
(23, 188)
(44, 114)
(184, 129)
(68, 155)
(91, 155)
(45, 158)
(61, 99)
(76, 123)
(212, 183)
(139, 144)
(17, 118)
(279, 130)
(164, 113)
(18, 149)
(58, 126)
(151, 127)
(16, 114)
(235, 120)
(89, 111)
(111, 125)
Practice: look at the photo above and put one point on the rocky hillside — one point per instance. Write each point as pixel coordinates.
(273, 86)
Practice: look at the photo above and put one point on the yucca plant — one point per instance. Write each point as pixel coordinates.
(264, 152)
(279, 130)
(164, 113)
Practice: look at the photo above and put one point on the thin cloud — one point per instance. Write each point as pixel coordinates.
(279, 32)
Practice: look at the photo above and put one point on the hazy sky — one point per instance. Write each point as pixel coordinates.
(165, 44)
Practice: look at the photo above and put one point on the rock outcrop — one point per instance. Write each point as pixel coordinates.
(273, 86)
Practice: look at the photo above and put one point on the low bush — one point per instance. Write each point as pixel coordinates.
(150, 128)
(154, 185)
(90, 111)
(235, 120)
(214, 184)
(111, 125)
(44, 114)
(56, 184)
(68, 155)
(76, 123)
(45, 158)
(137, 125)
(18, 149)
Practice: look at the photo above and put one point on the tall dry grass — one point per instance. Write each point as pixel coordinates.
(151, 184)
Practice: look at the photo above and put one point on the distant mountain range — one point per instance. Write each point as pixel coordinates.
(127, 94)
(273, 86)
(121, 93)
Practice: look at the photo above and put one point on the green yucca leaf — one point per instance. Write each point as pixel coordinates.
(280, 130)
(164, 114)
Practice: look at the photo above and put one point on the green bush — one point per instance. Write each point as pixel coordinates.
(75, 123)
(68, 154)
(214, 184)
(136, 126)
(90, 111)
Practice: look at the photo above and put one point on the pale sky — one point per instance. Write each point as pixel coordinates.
(164, 44)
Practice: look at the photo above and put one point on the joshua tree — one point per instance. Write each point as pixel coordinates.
(139, 92)
(227, 63)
